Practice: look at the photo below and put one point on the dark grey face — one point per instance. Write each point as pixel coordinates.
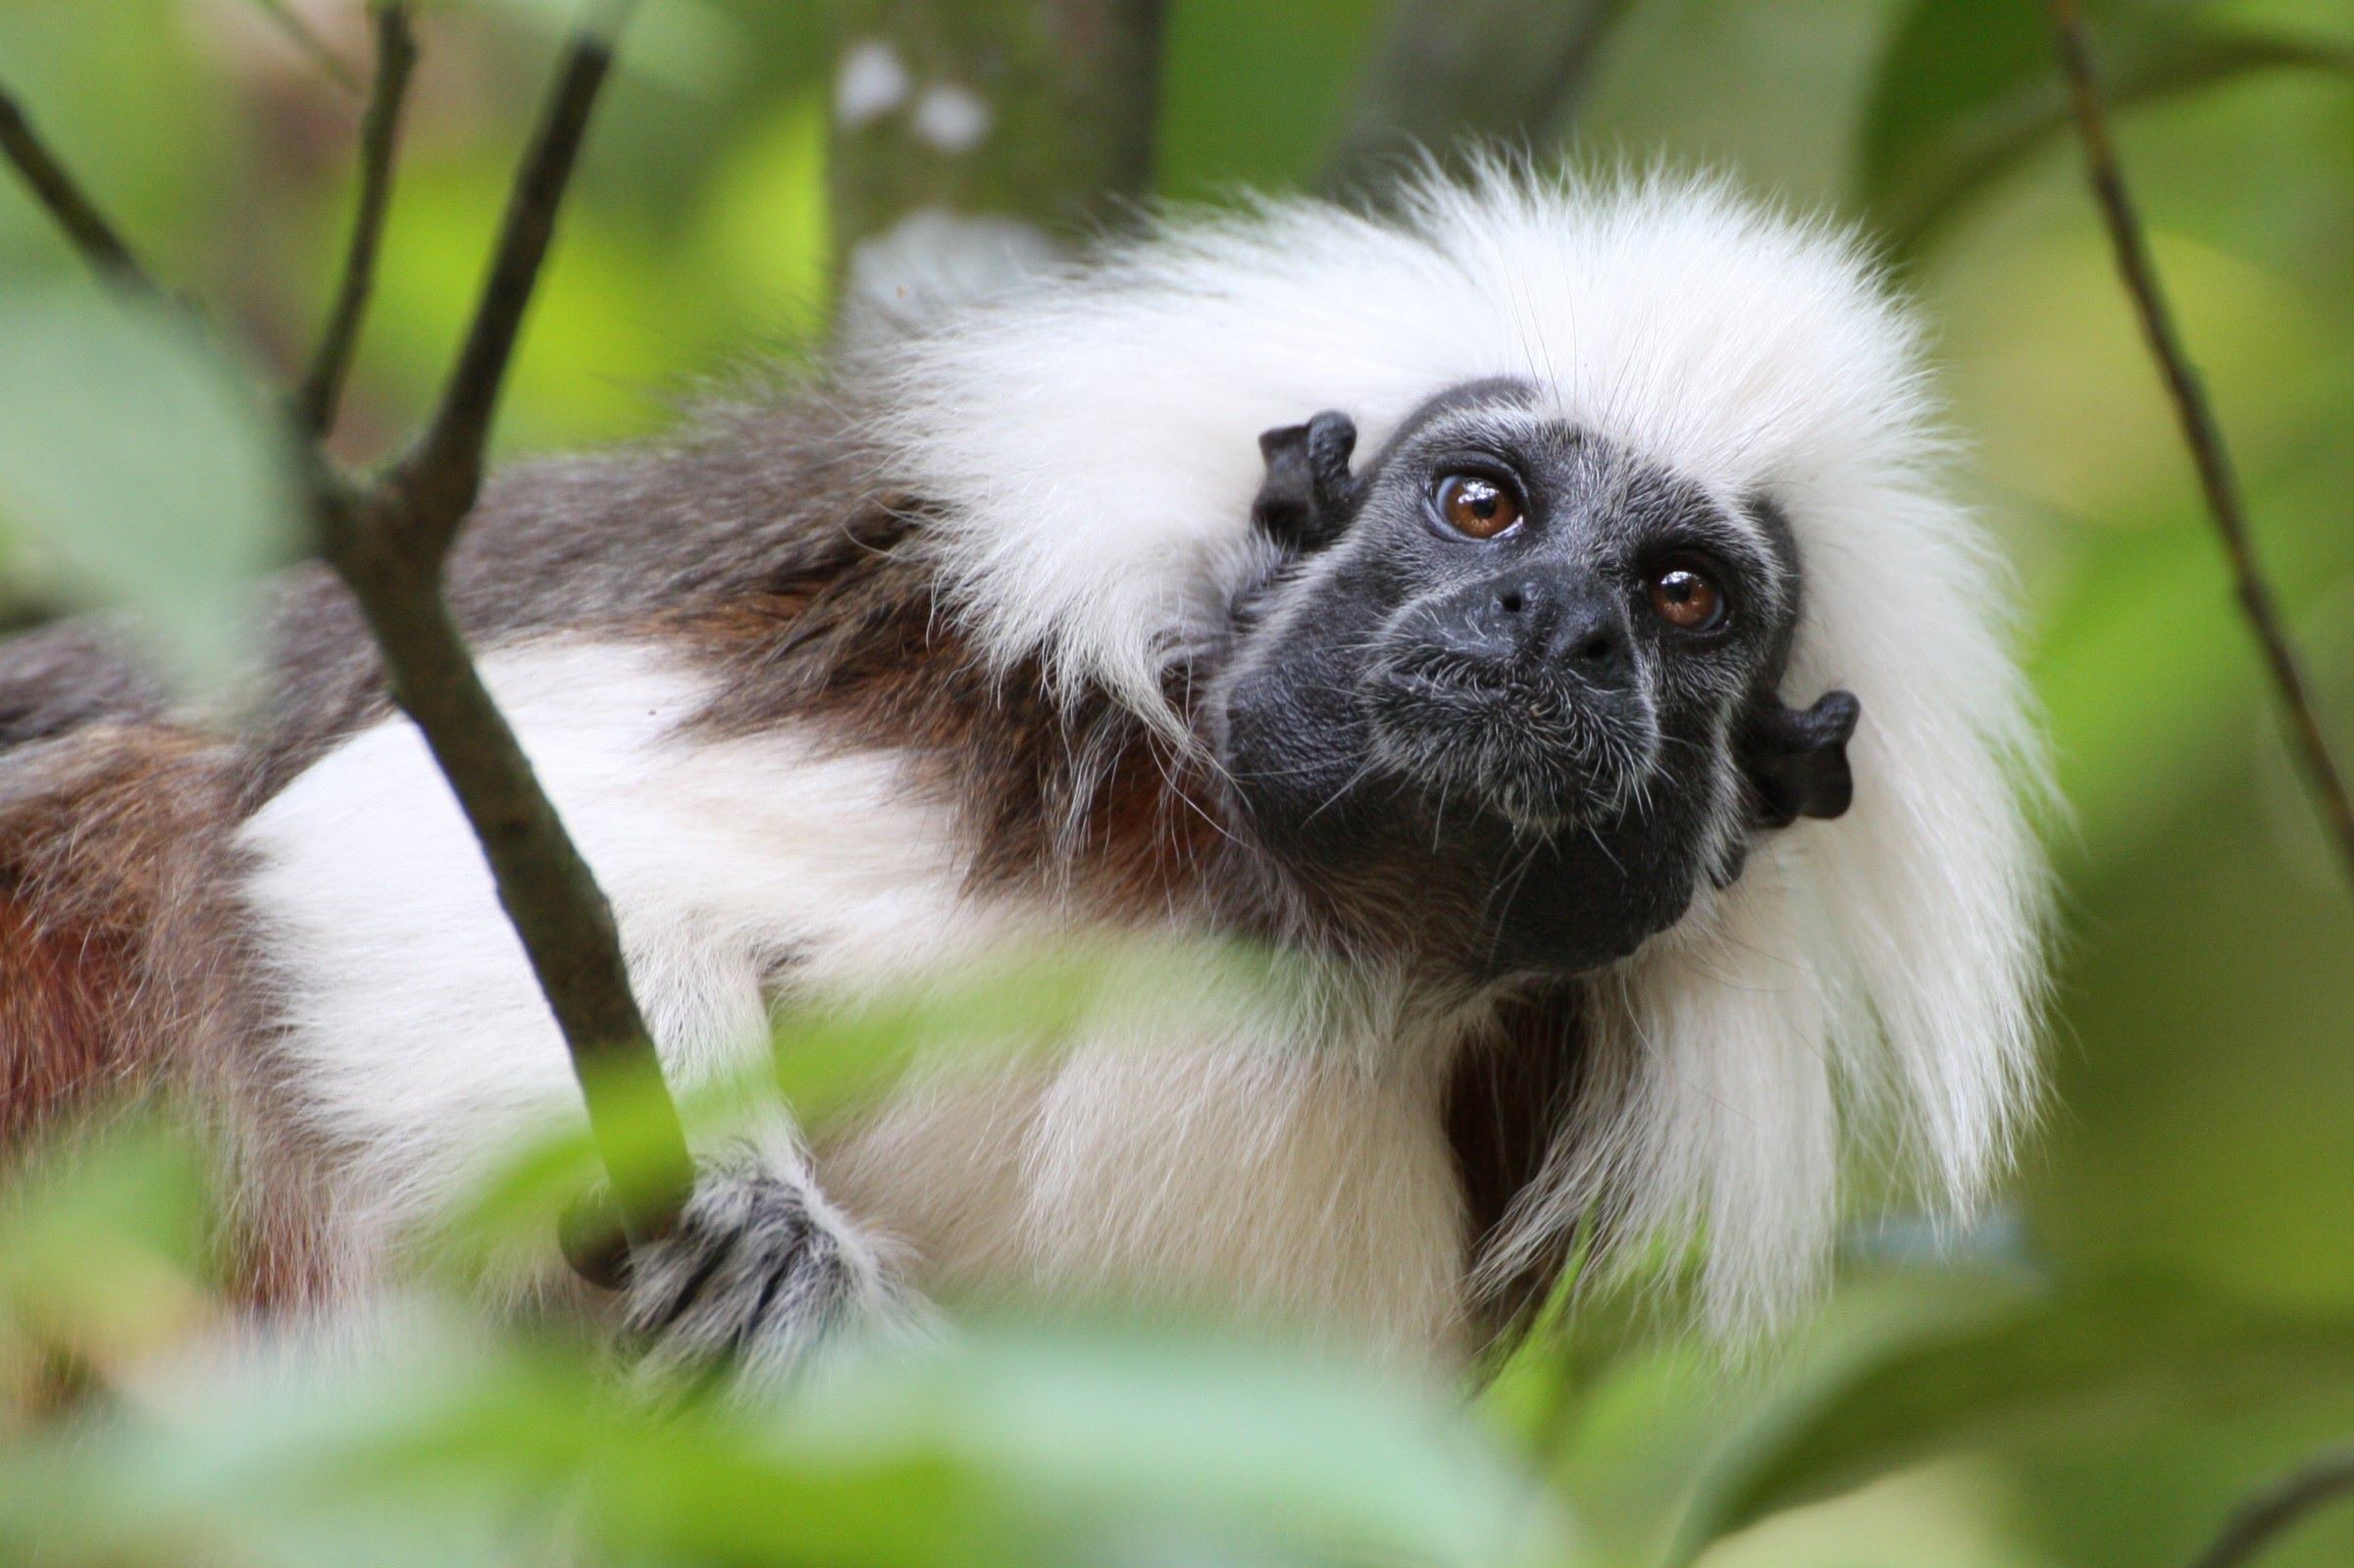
(1509, 693)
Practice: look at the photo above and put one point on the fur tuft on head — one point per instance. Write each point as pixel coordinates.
(1868, 985)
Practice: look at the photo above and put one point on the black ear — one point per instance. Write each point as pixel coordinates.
(1797, 761)
(1308, 495)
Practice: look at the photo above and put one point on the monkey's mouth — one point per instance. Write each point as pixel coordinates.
(1538, 749)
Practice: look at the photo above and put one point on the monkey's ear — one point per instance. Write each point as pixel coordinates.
(1308, 495)
(1797, 760)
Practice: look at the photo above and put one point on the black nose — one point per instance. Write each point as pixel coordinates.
(1538, 617)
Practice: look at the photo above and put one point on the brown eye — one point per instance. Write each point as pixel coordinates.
(1476, 507)
(1687, 598)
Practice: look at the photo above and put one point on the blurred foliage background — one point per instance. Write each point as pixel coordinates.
(2164, 1318)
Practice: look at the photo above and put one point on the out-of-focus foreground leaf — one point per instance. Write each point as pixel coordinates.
(834, 1057)
(2128, 1355)
(1966, 91)
(104, 1250)
(140, 467)
(1001, 1447)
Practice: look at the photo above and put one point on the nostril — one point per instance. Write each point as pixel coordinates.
(1596, 649)
(1508, 601)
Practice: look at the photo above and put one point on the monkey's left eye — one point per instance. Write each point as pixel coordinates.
(1476, 506)
(1687, 597)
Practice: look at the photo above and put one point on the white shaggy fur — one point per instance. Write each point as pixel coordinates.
(1873, 982)
(1212, 1145)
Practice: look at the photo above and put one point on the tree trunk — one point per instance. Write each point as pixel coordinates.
(1003, 127)
(1502, 71)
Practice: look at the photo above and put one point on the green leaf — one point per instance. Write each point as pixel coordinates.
(1126, 1435)
(1967, 91)
(2126, 1355)
(1001, 1447)
(833, 1057)
(144, 472)
(104, 1244)
(832, 1060)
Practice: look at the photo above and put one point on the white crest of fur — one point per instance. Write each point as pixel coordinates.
(1873, 981)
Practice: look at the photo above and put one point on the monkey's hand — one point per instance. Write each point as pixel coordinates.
(759, 1275)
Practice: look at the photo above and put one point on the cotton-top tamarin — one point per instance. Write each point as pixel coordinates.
(1535, 615)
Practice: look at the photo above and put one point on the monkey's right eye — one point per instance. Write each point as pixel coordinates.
(1476, 506)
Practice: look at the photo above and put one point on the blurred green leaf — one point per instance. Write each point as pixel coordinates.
(1123, 1435)
(145, 470)
(1252, 94)
(2129, 1354)
(1966, 91)
(105, 1249)
(831, 1058)
(1003, 1446)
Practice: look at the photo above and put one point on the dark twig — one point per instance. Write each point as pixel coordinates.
(2271, 1512)
(55, 190)
(547, 888)
(389, 541)
(2200, 430)
(380, 140)
(443, 473)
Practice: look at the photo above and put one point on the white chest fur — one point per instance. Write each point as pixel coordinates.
(1278, 1177)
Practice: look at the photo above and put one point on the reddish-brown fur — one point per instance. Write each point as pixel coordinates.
(121, 964)
(59, 987)
(1077, 796)
(99, 835)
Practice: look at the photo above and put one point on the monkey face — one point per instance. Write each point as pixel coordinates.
(1507, 695)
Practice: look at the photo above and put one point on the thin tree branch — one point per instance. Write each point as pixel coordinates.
(389, 540)
(2200, 431)
(2266, 1516)
(380, 141)
(444, 473)
(547, 889)
(55, 190)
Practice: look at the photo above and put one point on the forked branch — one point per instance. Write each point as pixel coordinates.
(2201, 431)
(388, 538)
(444, 473)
